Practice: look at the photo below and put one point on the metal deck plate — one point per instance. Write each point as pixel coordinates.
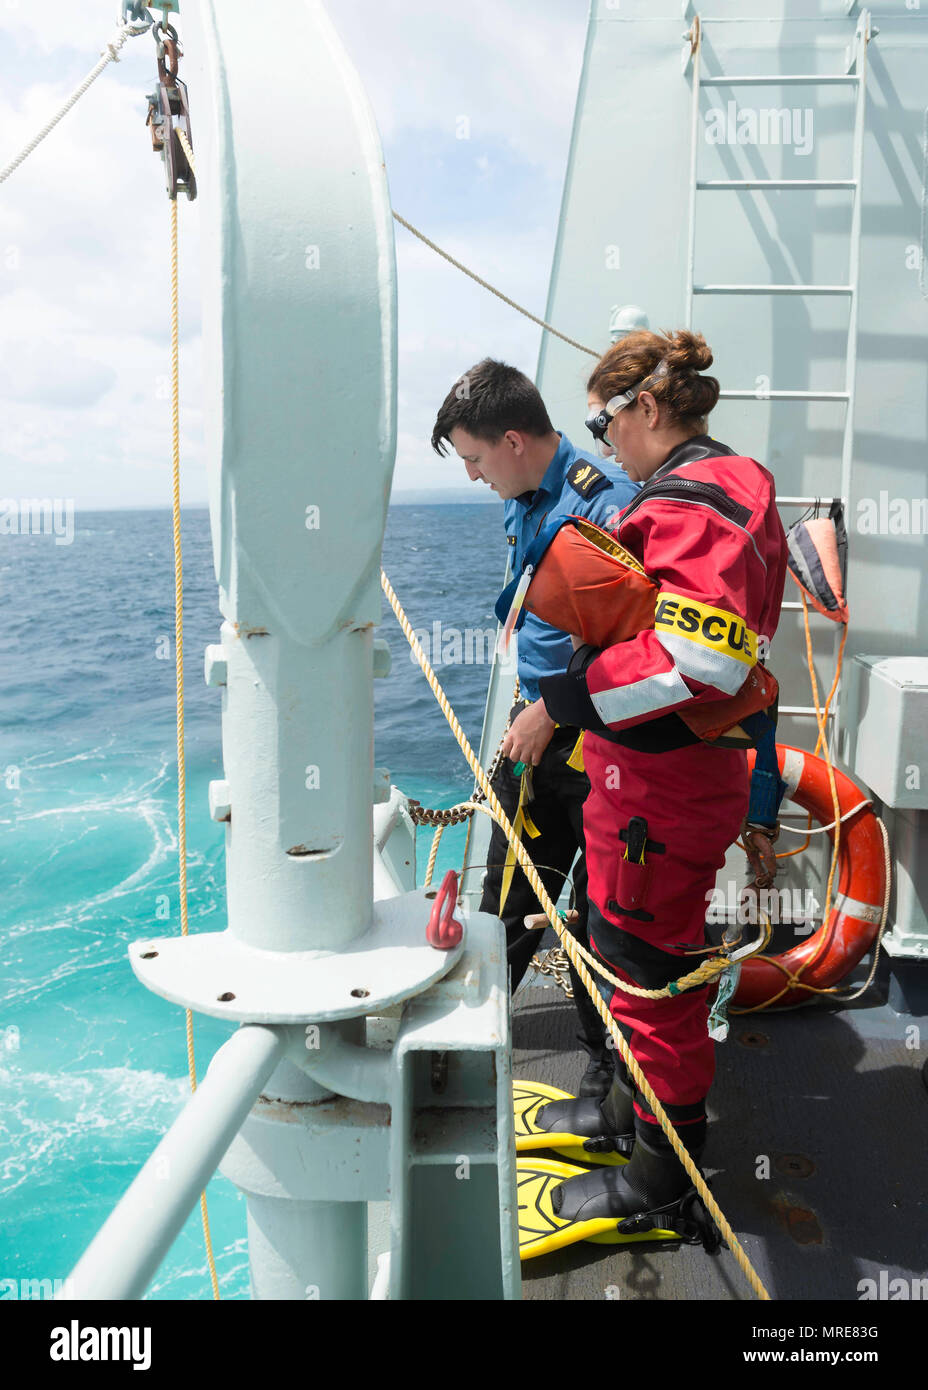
(833, 1097)
(215, 973)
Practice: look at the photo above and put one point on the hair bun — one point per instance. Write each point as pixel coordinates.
(687, 351)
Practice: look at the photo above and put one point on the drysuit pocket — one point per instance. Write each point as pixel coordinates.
(633, 871)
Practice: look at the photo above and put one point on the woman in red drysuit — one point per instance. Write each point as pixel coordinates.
(664, 806)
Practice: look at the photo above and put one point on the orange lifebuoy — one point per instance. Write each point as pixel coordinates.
(855, 917)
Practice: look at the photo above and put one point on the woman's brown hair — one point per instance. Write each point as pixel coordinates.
(687, 396)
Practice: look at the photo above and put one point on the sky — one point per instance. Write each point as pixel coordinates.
(84, 267)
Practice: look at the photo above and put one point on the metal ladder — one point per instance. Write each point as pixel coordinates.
(856, 75)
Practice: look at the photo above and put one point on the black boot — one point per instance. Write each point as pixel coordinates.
(600, 1073)
(607, 1123)
(652, 1191)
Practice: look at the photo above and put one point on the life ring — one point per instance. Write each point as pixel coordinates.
(857, 909)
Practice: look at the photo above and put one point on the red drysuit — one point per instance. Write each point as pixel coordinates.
(706, 529)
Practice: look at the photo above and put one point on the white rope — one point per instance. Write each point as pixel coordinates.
(822, 829)
(485, 284)
(110, 55)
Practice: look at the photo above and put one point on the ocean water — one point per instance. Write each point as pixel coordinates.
(93, 1066)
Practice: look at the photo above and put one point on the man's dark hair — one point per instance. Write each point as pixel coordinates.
(487, 401)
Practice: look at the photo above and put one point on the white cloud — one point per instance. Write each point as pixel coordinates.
(84, 231)
(511, 68)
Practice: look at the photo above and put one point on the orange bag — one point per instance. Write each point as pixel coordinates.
(584, 582)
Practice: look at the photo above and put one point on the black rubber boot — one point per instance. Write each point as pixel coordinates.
(652, 1191)
(600, 1073)
(607, 1123)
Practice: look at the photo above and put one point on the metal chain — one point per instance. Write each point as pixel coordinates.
(456, 815)
(427, 815)
(556, 964)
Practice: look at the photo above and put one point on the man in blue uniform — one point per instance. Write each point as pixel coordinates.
(496, 420)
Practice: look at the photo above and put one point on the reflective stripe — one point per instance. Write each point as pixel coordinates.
(793, 767)
(703, 664)
(864, 912)
(641, 697)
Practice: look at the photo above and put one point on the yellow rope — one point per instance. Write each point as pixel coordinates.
(703, 975)
(179, 668)
(794, 978)
(433, 855)
(571, 946)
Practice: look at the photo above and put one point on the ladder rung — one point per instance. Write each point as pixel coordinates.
(713, 184)
(801, 709)
(784, 396)
(773, 289)
(781, 80)
(821, 499)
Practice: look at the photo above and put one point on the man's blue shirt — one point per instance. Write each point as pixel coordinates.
(543, 650)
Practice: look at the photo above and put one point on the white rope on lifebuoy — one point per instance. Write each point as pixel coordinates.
(823, 829)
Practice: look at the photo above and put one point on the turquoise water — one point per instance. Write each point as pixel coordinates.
(92, 1066)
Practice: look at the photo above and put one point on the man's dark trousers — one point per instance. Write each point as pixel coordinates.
(557, 812)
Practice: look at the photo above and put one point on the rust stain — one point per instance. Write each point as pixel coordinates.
(337, 1112)
(800, 1223)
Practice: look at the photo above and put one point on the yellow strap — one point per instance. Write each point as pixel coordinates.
(523, 821)
(576, 758)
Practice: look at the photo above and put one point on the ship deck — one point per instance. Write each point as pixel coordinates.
(834, 1095)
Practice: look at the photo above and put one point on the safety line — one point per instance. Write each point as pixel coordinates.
(549, 328)
(573, 949)
(179, 670)
(110, 55)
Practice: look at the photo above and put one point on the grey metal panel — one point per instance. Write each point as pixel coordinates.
(792, 1089)
(891, 735)
(622, 238)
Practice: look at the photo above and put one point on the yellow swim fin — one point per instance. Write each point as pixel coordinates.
(527, 1099)
(541, 1230)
